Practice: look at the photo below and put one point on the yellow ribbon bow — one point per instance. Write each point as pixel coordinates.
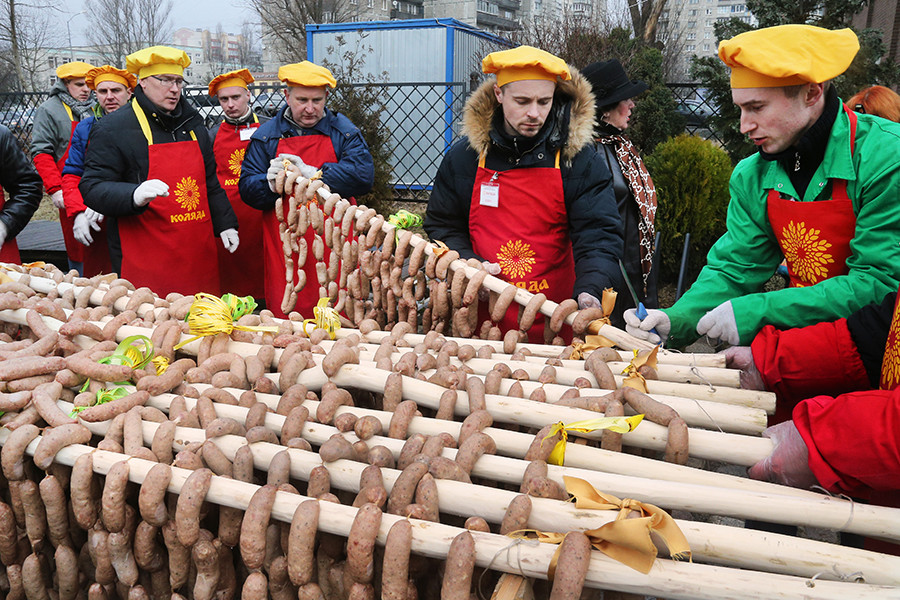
(403, 219)
(161, 363)
(325, 318)
(634, 379)
(616, 424)
(439, 248)
(591, 342)
(211, 315)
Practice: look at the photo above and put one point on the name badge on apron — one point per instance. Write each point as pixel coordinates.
(490, 194)
(246, 132)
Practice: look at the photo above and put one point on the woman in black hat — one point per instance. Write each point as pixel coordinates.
(634, 189)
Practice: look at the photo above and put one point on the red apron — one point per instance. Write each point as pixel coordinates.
(518, 219)
(815, 236)
(9, 252)
(240, 273)
(74, 249)
(315, 150)
(170, 247)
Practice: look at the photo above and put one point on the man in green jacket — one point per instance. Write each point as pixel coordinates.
(821, 193)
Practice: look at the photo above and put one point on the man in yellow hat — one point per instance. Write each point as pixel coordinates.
(821, 193)
(314, 139)
(240, 272)
(54, 121)
(524, 190)
(113, 88)
(150, 170)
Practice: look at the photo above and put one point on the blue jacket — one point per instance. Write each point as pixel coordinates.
(75, 160)
(352, 175)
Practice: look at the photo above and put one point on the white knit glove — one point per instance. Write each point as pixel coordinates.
(149, 190)
(643, 329)
(306, 170)
(719, 324)
(230, 239)
(82, 227)
(57, 199)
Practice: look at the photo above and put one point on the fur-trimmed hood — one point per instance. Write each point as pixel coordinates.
(478, 114)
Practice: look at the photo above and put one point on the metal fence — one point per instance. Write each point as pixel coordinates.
(422, 119)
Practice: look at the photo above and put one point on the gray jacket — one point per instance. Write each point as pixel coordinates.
(52, 125)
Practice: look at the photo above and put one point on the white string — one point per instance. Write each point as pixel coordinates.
(514, 542)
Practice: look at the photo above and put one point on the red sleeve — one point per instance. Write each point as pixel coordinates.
(72, 195)
(801, 363)
(853, 440)
(49, 172)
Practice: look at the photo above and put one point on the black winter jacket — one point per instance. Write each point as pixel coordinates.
(116, 162)
(594, 224)
(21, 181)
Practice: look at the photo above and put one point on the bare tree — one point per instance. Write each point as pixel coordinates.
(645, 18)
(121, 27)
(249, 51)
(26, 30)
(579, 40)
(284, 22)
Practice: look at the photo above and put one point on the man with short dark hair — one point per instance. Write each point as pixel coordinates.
(241, 271)
(524, 190)
(312, 138)
(150, 170)
(821, 194)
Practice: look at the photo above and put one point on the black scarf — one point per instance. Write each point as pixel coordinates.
(801, 160)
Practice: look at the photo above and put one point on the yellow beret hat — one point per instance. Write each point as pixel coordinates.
(306, 74)
(98, 75)
(239, 78)
(73, 70)
(525, 62)
(157, 60)
(788, 55)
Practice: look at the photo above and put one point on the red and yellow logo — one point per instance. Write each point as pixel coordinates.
(516, 259)
(187, 193)
(235, 161)
(807, 255)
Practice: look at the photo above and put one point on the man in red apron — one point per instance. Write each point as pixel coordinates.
(525, 190)
(313, 138)
(240, 270)
(54, 121)
(149, 168)
(22, 184)
(820, 194)
(837, 416)
(113, 88)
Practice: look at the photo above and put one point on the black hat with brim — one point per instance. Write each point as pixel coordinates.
(611, 83)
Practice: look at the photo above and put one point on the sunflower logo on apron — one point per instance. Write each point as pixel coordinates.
(187, 192)
(516, 259)
(236, 160)
(806, 253)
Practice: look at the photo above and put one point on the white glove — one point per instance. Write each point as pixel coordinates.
(491, 267)
(149, 190)
(719, 324)
(93, 216)
(586, 300)
(276, 166)
(57, 199)
(230, 239)
(655, 319)
(306, 170)
(81, 229)
(788, 464)
(3, 232)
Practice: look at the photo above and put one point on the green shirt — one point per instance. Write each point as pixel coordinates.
(746, 256)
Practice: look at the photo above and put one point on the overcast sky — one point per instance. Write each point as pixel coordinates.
(203, 14)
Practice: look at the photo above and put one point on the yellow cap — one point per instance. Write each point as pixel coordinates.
(307, 74)
(239, 78)
(525, 62)
(73, 70)
(787, 55)
(157, 60)
(98, 75)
